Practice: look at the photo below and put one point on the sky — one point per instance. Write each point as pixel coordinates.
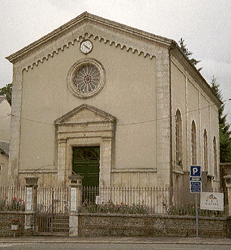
(205, 26)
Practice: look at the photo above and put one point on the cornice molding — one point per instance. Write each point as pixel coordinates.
(120, 45)
(138, 170)
(106, 31)
(85, 19)
(39, 171)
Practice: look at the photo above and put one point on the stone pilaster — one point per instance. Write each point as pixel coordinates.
(106, 162)
(228, 186)
(75, 202)
(163, 117)
(31, 201)
(62, 144)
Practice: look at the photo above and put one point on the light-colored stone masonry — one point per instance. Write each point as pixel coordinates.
(139, 99)
(163, 117)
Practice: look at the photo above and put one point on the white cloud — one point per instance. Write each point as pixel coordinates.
(205, 26)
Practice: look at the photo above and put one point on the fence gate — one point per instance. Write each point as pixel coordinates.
(52, 217)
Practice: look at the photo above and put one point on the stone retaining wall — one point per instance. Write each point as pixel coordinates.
(5, 223)
(149, 225)
(128, 225)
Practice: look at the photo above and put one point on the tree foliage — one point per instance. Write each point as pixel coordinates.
(188, 53)
(7, 91)
(224, 128)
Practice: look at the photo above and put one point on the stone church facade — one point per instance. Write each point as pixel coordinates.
(118, 105)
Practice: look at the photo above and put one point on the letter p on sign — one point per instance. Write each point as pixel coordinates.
(195, 171)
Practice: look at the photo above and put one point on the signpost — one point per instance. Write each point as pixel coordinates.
(195, 187)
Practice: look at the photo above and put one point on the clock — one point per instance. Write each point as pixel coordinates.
(86, 46)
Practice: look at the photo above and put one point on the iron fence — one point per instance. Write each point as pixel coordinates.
(52, 200)
(12, 198)
(154, 198)
(56, 199)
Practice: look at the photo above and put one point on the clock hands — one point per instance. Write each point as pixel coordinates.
(86, 46)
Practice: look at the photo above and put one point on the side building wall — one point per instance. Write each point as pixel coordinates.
(195, 108)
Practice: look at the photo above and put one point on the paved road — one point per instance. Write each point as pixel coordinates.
(109, 246)
(114, 243)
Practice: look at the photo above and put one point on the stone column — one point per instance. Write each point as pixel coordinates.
(61, 160)
(106, 163)
(228, 186)
(31, 201)
(75, 202)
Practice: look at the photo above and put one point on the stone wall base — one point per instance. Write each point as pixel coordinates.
(5, 224)
(150, 225)
(126, 225)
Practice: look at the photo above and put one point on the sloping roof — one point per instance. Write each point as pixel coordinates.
(116, 27)
(86, 17)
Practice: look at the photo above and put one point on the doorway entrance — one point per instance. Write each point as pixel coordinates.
(85, 162)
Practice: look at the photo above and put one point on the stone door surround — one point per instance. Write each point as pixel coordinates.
(85, 126)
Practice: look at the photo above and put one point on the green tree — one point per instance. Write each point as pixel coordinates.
(188, 53)
(7, 91)
(224, 128)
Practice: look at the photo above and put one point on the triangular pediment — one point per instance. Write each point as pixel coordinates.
(85, 26)
(85, 114)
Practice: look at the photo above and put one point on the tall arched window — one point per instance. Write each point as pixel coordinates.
(215, 156)
(193, 144)
(205, 151)
(178, 138)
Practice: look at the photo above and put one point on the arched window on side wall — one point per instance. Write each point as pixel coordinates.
(215, 157)
(178, 139)
(205, 151)
(193, 144)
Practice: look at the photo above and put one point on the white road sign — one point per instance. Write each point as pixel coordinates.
(212, 201)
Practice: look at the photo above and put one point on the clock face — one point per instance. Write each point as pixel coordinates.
(86, 46)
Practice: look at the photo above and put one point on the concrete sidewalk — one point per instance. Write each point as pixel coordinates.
(118, 240)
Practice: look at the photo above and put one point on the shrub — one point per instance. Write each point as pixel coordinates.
(190, 209)
(14, 205)
(121, 208)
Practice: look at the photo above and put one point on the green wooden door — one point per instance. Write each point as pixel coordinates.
(86, 163)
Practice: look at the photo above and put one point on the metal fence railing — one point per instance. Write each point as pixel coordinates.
(57, 199)
(154, 198)
(53, 200)
(12, 198)
(50, 199)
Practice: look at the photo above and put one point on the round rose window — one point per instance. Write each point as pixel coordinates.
(86, 78)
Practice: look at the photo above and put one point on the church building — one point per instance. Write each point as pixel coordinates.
(120, 106)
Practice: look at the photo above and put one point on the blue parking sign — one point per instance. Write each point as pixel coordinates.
(195, 171)
(195, 186)
(195, 179)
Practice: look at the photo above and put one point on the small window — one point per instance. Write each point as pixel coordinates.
(215, 157)
(205, 151)
(178, 139)
(193, 144)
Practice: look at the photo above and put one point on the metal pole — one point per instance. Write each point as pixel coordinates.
(197, 222)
